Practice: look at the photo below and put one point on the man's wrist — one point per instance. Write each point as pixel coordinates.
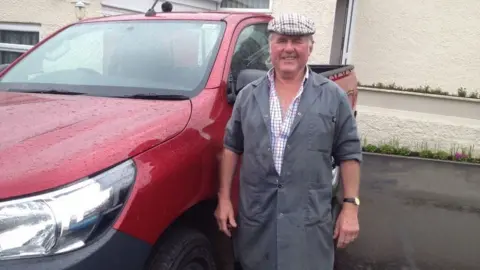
(223, 196)
(350, 207)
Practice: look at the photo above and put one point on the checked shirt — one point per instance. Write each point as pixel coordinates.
(280, 125)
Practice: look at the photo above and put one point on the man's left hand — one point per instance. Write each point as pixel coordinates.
(347, 227)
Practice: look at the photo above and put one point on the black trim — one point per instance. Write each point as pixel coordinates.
(114, 250)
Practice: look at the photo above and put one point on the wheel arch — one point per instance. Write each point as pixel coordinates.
(200, 217)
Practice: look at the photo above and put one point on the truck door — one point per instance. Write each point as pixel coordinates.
(249, 51)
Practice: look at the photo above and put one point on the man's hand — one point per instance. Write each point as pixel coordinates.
(225, 216)
(347, 227)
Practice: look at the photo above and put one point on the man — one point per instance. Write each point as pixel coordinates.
(287, 125)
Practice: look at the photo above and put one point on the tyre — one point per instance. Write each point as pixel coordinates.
(183, 249)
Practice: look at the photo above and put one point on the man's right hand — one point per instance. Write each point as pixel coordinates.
(225, 216)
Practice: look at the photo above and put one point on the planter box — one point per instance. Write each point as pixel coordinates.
(416, 214)
(414, 119)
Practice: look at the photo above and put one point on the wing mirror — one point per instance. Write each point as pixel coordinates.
(245, 77)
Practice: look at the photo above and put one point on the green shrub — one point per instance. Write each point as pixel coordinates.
(404, 151)
(387, 149)
(457, 153)
(441, 155)
(461, 92)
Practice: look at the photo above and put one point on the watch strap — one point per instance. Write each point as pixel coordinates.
(352, 200)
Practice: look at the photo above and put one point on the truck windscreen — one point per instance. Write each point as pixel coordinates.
(121, 58)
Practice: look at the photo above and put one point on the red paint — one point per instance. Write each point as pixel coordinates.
(50, 140)
(348, 82)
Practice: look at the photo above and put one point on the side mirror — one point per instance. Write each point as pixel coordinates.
(245, 77)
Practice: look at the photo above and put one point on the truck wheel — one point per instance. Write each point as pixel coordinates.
(183, 249)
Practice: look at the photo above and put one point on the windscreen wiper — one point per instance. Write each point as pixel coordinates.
(157, 96)
(46, 91)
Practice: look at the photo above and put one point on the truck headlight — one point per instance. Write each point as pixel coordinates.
(65, 219)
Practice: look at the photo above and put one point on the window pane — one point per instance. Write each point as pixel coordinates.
(8, 57)
(19, 37)
(263, 4)
(251, 50)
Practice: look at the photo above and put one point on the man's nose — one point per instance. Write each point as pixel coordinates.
(289, 46)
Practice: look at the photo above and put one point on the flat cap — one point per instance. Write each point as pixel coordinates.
(292, 24)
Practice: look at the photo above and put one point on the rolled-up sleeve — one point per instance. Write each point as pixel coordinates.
(347, 145)
(233, 138)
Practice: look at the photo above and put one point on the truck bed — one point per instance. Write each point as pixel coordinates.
(344, 76)
(329, 70)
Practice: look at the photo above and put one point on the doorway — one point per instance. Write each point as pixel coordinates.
(342, 32)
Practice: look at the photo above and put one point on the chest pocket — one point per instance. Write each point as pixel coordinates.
(321, 128)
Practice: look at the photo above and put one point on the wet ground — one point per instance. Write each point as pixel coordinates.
(416, 215)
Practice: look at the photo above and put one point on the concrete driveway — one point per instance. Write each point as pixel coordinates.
(416, 214)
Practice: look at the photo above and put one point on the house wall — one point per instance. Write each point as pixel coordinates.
(141, 6)
(414, 43)
(50, 14)
(321, 11)
(323, 14)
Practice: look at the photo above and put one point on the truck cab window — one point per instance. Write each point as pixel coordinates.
(250, 52)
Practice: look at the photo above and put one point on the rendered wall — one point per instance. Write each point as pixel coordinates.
(323, 13)
(413, 43)
(50, 14)
(141, 6)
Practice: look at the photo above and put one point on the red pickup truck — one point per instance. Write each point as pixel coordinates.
(111, 129)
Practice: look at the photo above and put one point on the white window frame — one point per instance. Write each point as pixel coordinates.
(19, 48)
(259, 10)
(349, 26)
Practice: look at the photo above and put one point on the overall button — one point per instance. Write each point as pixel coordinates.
(280, 186)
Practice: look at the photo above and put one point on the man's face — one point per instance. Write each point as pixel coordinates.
(290, 54)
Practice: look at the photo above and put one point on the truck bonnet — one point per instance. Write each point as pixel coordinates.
(51, 140)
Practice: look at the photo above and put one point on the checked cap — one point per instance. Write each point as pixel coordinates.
(292, 24)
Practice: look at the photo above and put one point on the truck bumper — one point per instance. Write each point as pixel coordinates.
(114, 250)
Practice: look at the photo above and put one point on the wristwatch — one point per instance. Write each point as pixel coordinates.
(354, 200)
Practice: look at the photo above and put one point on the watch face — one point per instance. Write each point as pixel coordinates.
(357, 201)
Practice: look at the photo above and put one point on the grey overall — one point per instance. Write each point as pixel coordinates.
(284, 221)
